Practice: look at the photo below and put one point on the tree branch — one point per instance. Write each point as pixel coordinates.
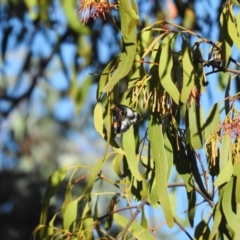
(139, 208)
(179, 184)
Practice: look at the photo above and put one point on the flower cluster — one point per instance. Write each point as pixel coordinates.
(231, 126)
(194, 95)
(94, 9)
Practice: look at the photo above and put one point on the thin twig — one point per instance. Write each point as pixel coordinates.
(182, 228)
(179, 184)
(139, 208)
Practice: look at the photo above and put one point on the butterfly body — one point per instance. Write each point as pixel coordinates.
(123, 118)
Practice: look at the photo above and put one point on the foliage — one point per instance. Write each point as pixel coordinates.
(167, 92)
(160, 73)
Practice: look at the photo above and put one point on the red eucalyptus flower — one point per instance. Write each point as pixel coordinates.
(94, 9)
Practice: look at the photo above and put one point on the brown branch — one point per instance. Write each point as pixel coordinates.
(139, 208)
(179, 184)
(182, 228)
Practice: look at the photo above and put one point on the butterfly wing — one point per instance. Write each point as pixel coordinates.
(123, 118)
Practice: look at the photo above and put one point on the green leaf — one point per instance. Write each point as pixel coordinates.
(144, 222)
(195, 114)
(70, 216)
(110, 209)
(238, 23)
(237, 233)
(227, 206)
(165, 71)
(236, 2)
(169, 154)
(87, 223)
(232, 28)
(69, 8)
(224, 151)
(32, 5)
(135, 229)
(237, 173)
(225, 37)
(116, 163)
(98, 118)
(133, 13)
(144, 39)
(225, 175)
(188, 180)
(217, 216)
(196, 173)
(106, 75)
(50, 229)
(200, 77)
(129, 148)
(128, 30)
(68, 196)
(54, 181)
(188, 72)
(161, 167)
(202, 231)
(213, 121)
(191, 206)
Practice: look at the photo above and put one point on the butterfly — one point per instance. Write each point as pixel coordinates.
(123, 118)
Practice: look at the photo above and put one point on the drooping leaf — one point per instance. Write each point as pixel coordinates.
(191, 206)
(236, 2)
(130, 11)
(224, 151)
(165, 71)
(196, 172)
(169, 154)
(105, 76)
(144, 221)
(188, 72)
(54, 182)
(128, 30)
(87, 223)
(50, 229)
(227, 93)
(227, 206)
(129, 148)
(238, 22)
(213, 121)
(98, 118)
(232, 28)
(237, 173)
(69, 8)
(237, 233)
(161, 167)
(225, 175)
(68, 197)
(200, 78)
(70, 216)
(202, 231)
(195, 114)
(110, 209)
(217, 216)
(116, 163)
(225, 37)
